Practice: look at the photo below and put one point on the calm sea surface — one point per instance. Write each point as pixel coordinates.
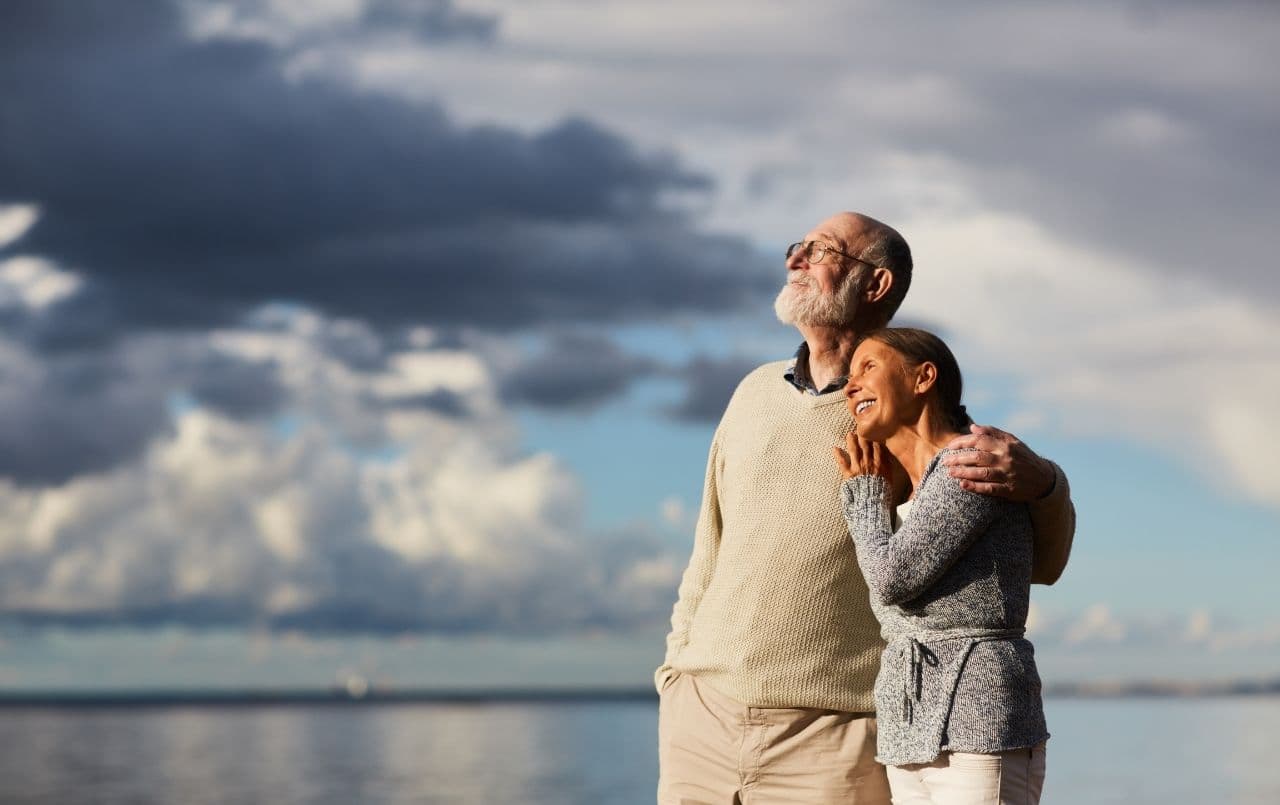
(1103, 751)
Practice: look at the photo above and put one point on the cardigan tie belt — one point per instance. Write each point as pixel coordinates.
(921, 655)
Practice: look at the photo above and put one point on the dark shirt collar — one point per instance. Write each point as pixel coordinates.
(797, 374)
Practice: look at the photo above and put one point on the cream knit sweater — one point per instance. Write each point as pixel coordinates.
(773, 610)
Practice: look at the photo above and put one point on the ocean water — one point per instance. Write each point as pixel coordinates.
(1167, 751)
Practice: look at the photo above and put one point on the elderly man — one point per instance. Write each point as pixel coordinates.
(766, 691)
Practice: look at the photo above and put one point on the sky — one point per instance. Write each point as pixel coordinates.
(387, 338)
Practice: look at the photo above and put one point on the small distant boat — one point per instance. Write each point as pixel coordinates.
(356, 686)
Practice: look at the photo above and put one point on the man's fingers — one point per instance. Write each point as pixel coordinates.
(990, 430)
(965, 442)
(983, 474)
(983, 488)
(971, 458)
(968, 444)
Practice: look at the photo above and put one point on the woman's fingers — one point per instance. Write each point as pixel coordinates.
(882, 460)
(860, 457)
(842, 458)
(867, 447)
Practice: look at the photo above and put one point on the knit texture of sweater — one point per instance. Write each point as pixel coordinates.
(773, 610)
(951, 589)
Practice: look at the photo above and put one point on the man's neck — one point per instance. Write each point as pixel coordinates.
(831, 349)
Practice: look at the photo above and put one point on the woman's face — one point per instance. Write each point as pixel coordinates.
(880, 393)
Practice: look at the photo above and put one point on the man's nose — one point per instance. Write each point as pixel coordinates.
(851, 388)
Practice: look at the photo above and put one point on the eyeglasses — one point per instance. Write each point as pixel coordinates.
(815, 251)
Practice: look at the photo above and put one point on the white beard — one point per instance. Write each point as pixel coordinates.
(802, 303)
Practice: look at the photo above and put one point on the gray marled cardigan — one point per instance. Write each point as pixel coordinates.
(951, 589)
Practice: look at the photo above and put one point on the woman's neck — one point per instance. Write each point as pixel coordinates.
(915, 444)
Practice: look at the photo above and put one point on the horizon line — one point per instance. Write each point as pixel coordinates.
(373, 695)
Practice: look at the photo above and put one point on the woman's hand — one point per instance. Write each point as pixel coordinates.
(861, 457)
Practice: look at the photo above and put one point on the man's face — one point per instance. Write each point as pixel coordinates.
(824, 293)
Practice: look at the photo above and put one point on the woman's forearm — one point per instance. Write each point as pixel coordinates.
(944, 522)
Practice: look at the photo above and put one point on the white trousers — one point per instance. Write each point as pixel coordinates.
(962, 778)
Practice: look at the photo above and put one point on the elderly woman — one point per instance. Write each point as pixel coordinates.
(958, 696)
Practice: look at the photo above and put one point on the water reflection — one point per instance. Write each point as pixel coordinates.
(1124, 751)
(1103, 751)
(554, 753)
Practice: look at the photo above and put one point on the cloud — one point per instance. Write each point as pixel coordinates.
(1089, 118)
(1102, 346)
(190, 181)
(1198, 630)
(354, 513)
(709, 383)
(301, 24)
(235, 388)
(574, 371)
(674, 513)
(34, 284)
(1097, 624)
(15, 220)
(166, 173)
(330, 201)
(70, 414)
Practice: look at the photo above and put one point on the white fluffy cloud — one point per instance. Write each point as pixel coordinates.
(15, 220)
(354, 510)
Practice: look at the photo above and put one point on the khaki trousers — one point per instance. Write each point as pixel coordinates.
(713, 750)
(962, 778)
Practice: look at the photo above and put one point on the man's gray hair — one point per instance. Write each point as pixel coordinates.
(888, 249)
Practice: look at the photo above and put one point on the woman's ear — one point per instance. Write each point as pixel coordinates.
(926, 376)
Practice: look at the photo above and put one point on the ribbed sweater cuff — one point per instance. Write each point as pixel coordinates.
(864, 495)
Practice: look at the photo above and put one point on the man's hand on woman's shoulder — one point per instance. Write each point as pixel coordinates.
(997, 463)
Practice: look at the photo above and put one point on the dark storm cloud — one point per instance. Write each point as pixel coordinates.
(574, 371)
(709, 383)
(235, 387)
(71, 413)
(74, 414)
(190, 182)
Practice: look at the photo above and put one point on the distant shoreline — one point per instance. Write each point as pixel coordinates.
(125, 699)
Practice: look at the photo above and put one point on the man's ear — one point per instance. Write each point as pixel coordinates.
(926, 376)
(878, 284)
